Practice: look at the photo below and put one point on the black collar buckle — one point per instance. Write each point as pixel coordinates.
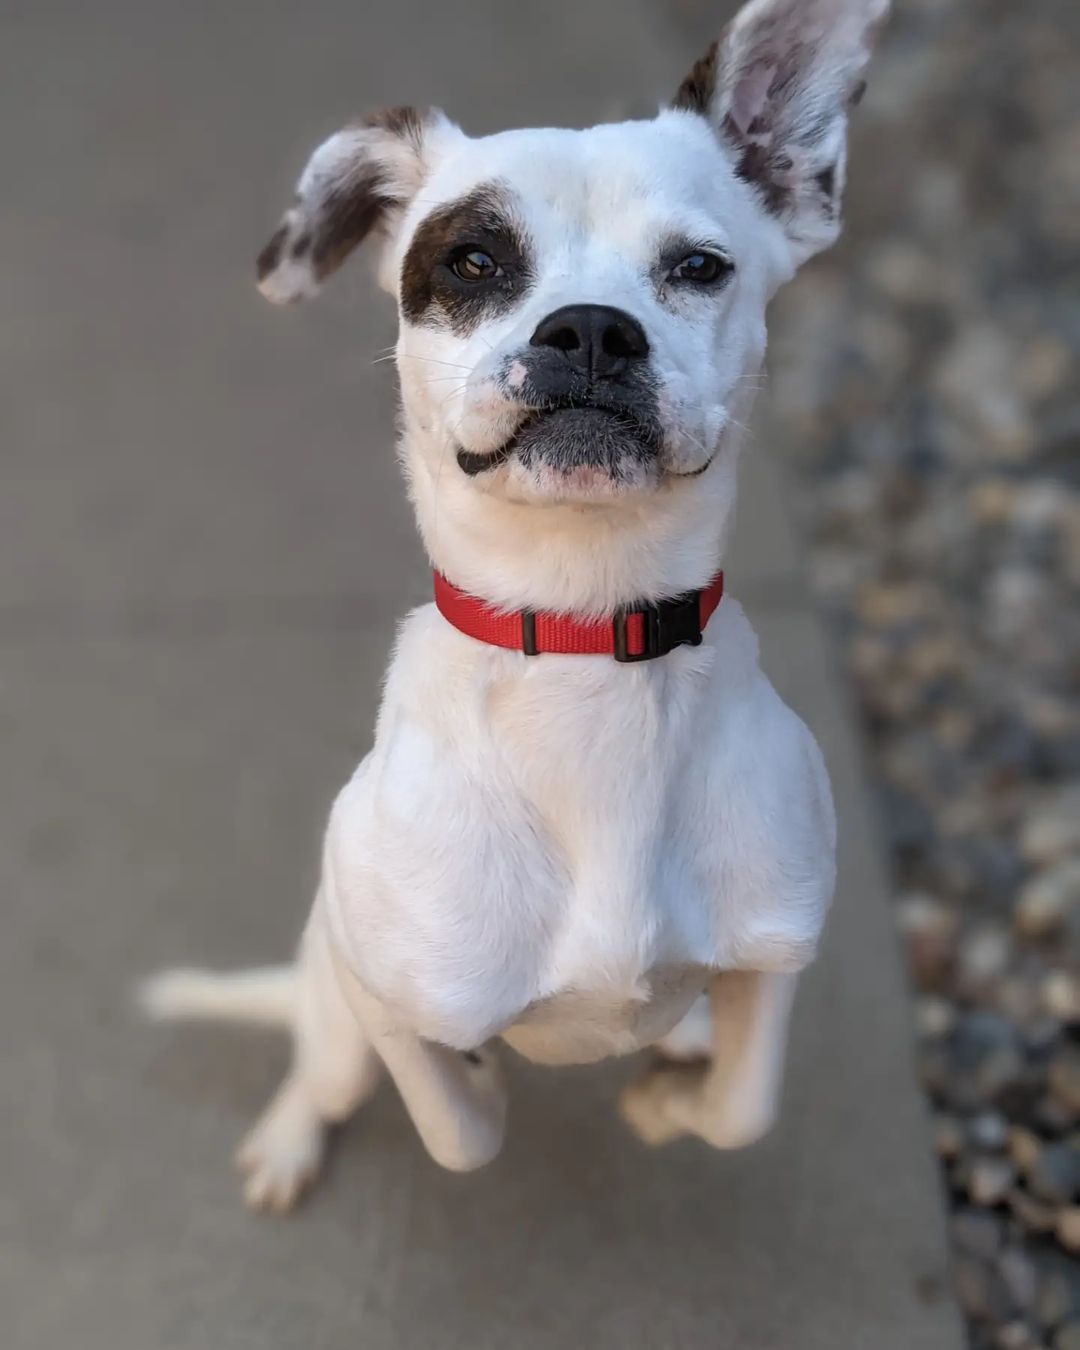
(667, 624)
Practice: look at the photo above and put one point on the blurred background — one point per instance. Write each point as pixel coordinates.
(936, 440)
(204, 546)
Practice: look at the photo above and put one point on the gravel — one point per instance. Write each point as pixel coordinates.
(924, 379)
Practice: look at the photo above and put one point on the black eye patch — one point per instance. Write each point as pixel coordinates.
(434, 289)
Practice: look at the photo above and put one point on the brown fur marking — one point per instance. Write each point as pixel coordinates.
(270, 256)
(349, 213)
(405, 122)
(695, 94)
(429, 289)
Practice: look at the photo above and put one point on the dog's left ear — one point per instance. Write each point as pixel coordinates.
(356, 183)
(777, 87)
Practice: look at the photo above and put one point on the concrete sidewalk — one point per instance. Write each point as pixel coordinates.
(199, 501)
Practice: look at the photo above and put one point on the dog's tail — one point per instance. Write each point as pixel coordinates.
(265, 996)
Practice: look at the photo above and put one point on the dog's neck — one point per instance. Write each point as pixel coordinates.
(585, 560)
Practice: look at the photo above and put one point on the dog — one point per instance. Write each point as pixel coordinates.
(587, 824)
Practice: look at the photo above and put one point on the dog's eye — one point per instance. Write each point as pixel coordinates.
(701, 268)
(473, 264)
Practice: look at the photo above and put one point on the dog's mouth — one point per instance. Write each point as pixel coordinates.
(573, 438)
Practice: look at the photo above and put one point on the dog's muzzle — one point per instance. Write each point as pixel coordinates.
(587, 395)
(574, 436)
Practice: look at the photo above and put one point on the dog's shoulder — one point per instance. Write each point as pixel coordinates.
(763, 822)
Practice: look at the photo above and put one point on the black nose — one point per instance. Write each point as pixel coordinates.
(596, 339)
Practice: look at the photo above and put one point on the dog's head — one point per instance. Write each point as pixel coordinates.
(583, 312)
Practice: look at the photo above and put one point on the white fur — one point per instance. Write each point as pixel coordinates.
(582, 825)
(563, 851)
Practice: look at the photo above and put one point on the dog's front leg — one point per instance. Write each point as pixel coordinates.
(731, 1099)
(456, 1101)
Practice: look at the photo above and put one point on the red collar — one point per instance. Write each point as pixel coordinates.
(634, 634)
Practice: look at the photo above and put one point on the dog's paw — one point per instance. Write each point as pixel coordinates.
(676, 1099)
(648, 1104)
(282, 1155)
(738, 1127)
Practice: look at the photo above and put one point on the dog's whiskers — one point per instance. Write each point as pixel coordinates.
(452, 394)
(431, 360)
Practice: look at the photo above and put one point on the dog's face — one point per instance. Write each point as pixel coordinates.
(583, 312)
(581, 309)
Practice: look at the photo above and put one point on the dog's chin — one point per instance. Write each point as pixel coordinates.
(584, 455)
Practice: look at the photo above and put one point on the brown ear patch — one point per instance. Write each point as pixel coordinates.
(406, 122)
(352, 184)
(270, 255)
(321, 237)
(349, 213)
(695, 94)
(761, 165)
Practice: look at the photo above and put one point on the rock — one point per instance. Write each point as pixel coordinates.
(1042, 1035)
(988, 1131)
(1019, 1276)
(1045, 363)
(934, 1017)
(974, 379)
(977, 1233)
(934, 1071)
(905, 273)
(1041, 504)
(1045, 902)
(1024, 1148)
(991, 500)
(929, 930)
(1067, 1337)
(1060, 755)
(985, 1059)
(1055, 1177)
(954, 728)
(1016, 1336)
(1067, 1228)
(1050, 1116)
(908, 824)
(1057, 1299)
(1019, 997)
(989, 1180)
(1054, 831)
(1019, 602)
(1010, 748)
(1034, 1215)
(1049, 828)
(933, 659)
(948, 1137)
(983, 955)
(883, 343)
(1060, 994)
(979, 1289)
(883, 605)
(1063, 1079)
(977, 868)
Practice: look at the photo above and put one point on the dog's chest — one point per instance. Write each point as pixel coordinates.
(528, 884)
(578, 1026)
(572, 957)
(558, 852)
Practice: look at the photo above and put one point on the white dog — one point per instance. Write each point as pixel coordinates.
(588, 824)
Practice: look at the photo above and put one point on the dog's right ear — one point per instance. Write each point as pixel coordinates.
(777, 87)
(357, 182)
